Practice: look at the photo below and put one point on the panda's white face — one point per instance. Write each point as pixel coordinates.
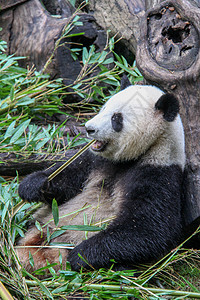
(128, 125)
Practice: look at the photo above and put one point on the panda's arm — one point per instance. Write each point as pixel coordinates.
(36, 187)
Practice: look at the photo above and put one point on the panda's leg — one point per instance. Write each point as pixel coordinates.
(35, 242)
(35, 245)
(117, 245)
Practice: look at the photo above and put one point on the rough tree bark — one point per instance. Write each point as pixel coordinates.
(27, 28)
(167, 41)
(168, 55)
(31, 31)
(121, 17)
(12, 163)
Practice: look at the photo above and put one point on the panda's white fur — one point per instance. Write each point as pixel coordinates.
(144, 129)
(138, 169)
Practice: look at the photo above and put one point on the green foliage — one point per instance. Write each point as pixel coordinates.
(24, 92)
(55, 212)
(175, 276)
(27, 94)
(100, 76)
(101, 72)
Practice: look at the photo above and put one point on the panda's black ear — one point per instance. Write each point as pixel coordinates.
(169, 106)
(124, 82)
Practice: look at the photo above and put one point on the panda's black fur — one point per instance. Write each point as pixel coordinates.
(148, 220)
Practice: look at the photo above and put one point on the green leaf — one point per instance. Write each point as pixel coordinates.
(118, 58)
(61, 289)
(47, 267)
(4, 212)
(19, 131)
(75, 34)
(57, 233)
(55, 212)
(48, 234)
(108, 61)
(102, 57)
(12, 93)
(31, 260)
(111, 81)
(127, 69)
(41, 285)
(25, 101)
(10, 129)
(81, 228)
(73, 2)
(9, 62)
(75, 227)
(2, 180)
(39, 227)
(41, 143)
(85, 55)
(19, 230)
(111, 43)
(68, 274)
(125, 62)
(83, 258)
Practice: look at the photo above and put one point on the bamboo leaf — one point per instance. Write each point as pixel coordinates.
(57, 233)
(61, 289)
(81, 228)
(42, 143)
(85, 55)
(37, 224)
(108, 61)
(31, 260)
(10, 129)
(19, 131)
(25, 101)
(41, 285)
(12, 93)
(55, 212)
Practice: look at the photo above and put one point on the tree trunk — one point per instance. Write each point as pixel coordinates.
(121, 17)
(168, 56)
(12, 164)
(30, 31)
(9, 3)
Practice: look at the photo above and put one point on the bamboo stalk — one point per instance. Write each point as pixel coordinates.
(4, 293)
(67, 163)
(108, 287)
(45, 246)
(128, 289)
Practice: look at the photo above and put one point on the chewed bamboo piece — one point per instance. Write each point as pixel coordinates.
(67, 163)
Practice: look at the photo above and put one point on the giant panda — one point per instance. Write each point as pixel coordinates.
(131, 178)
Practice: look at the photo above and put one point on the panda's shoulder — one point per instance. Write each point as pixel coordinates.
(153, 172)
(153, 178)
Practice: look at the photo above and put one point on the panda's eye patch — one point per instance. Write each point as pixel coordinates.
(117, 122)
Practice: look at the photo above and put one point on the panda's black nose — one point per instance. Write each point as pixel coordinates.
(90, 130)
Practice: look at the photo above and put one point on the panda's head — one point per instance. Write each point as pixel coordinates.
(139, 121)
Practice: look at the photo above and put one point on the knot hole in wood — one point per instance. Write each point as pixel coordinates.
(173, 41)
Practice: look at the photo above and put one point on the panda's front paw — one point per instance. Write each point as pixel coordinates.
(33, 187)
(79, 257)
(90, 254)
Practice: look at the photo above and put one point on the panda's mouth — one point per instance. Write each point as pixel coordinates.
(99, 146)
